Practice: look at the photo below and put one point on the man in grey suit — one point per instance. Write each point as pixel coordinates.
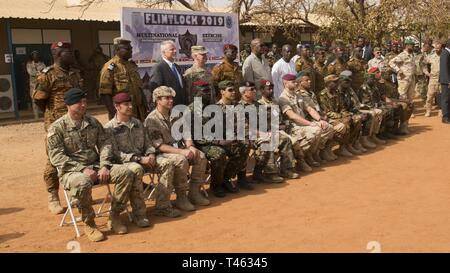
(444, 80)
(168, 73)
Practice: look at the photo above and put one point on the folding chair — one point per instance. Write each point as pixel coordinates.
(109, 197)
(151, 186)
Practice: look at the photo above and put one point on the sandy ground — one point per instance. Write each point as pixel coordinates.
(397, 195)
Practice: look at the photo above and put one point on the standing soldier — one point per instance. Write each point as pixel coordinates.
(320, 69)
(81, 151)
(159, 126)
(274, 55)
(358, 67)
(34, 66)
(433, 87)
(306, 64)
(228, 69)
(198, 72)
(338, 64)
(245, 53)
(390, 73)
(121, 75)
(421, 78)
(48, 94)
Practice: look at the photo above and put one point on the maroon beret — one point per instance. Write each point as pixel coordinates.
(229, 46)
(289, 77)
(265, 83)
(61, 45)
(121, 97)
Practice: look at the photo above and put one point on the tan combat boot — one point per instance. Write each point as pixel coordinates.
(183, 203)
(376, 140)
(303, 166)
(318, 158)
(358, 145)
(141, 221)
(428, 113)
(93, 233)
(329, 151)
(289, 174)
(366, 143)
(53, 203)
(195, 196)
(344, 152)
(115, 223)
(325, 155)
(352, 150)
(310, 160)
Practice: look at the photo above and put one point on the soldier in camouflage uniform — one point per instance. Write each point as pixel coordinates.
(320, 69)
(306, 64)
(421, 78)
(305, 134)
(48, 94)
(159, 125)
(228, 69)
(358, 67)
(434, 88)
(285, 149)
(34, 67)
(274, 55)
(82, 152)
(121, 75)
(133, 148)
(351, 105)
(198, 72)
(389, 73)
(332, 106)
(323, 152)
(245, 53)
(338, 64)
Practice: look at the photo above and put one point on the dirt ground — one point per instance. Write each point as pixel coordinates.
(397, 195)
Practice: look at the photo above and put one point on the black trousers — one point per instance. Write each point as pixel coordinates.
(445, 96)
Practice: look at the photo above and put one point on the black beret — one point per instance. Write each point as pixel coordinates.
(74, 95)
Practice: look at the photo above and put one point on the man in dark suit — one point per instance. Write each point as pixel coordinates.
(444, 80)
(168, 73)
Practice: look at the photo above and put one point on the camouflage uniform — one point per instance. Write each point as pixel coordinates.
(388, 72)
(307, 65)
(305, 139)
(333, 107)
(227, 71)
(321, 73)
(195, 73)
(434, 87)
(131, 139)
(351, 108)
(122, 76)
(33, 69)
(358, 67)
(159, 131)
(421, 79)
(310, 99)
(336, 67)
(72, 148)
(388, 90)
(51, 84)
(404, 62)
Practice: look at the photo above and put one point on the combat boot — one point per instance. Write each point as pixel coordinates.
(93, 233)
(195, 196)
(317, 158)
(310, 160)
(376, 140)
(366, 143)
(258, 176)
(115, 223)
(344, 152)
(230, 187)
(275, 178)
(289, 174)
(326, 156)
(428, 113)
(303, 166)
(53, 202)
(352, 150)
(243, 182)
(182, 202)
(358, 145)
(217, 190)
(141, 221)
(167, 212)
(329, 152)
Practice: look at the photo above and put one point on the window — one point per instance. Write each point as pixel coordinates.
(105, 40)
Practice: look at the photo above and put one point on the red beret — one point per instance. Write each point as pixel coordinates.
(289, 77)
(60, 45)
(373, 69)
(229, 46)
(265, 83)
(200, 83)
(121, 97)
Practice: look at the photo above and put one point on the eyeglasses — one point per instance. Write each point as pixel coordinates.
(230, 90)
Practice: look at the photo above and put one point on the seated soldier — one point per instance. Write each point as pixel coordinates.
(159, 124)
(332, 106)
(285, 149)
(311, 100)
(306, 133)
(82, 152)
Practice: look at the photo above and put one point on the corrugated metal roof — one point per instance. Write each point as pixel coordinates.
(105, 11)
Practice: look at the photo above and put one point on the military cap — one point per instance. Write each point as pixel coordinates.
(264, 82)
(289, 77)
(74, 95)
(121, 97)
(305, 46)
(409, 41)
(224, 84)
(56, 45)
(346, 75)
(198, 49)
(330, 78)
(318, 47)
(301, 74)
(376, 49)
(121, 40)
(163, 91)
(229, 46)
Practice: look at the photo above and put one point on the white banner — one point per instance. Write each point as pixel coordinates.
(147, 28)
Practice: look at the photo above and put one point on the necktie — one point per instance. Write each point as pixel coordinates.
(175, 73)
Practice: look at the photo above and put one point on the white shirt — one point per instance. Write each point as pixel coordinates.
(279, 69)
(294, 59)
(171, 65)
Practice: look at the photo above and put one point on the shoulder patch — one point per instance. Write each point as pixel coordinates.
(111, 66)
(47, 69)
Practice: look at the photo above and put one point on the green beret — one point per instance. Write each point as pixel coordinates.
(225, 83)
(74, 95)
